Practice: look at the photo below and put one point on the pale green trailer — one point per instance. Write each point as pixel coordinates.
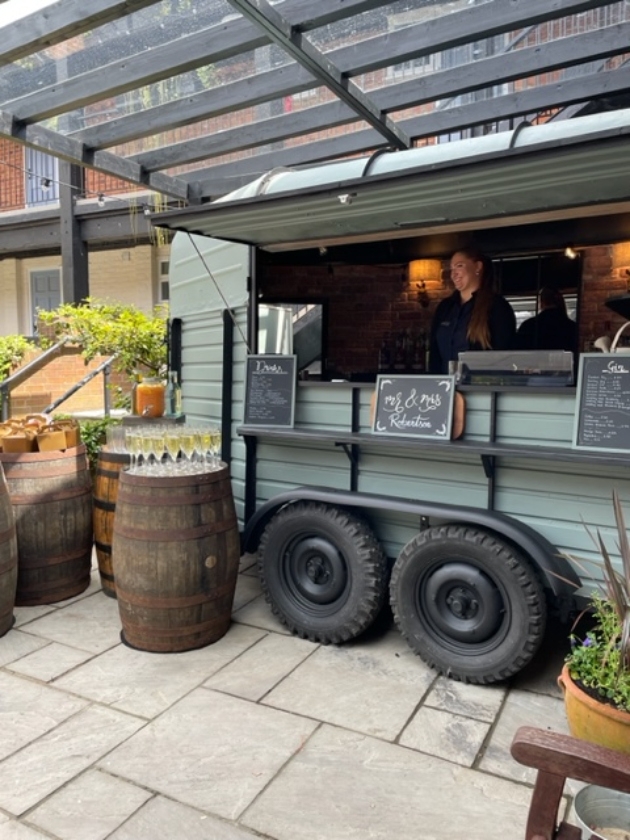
(469, 538)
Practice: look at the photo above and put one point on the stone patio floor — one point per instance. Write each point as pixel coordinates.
(260, 735)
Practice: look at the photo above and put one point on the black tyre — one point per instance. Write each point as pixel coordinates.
(467, 603)
(322, 571)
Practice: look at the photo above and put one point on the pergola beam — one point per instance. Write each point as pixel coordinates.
(60, 21)
(261, 13)
(435, 86)
(214, 181)
(73, 151)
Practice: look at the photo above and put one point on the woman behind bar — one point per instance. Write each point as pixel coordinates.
(474, 317)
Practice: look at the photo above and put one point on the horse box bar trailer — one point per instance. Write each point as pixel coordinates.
(468, 538)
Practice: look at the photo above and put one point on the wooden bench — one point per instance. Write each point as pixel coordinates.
(557, 758)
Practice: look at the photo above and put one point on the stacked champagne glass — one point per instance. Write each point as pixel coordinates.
(168, 449)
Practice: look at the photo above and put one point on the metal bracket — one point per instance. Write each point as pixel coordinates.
(351, 450)
(488, 462)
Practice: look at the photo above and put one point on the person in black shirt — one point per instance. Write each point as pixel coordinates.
(551, 329)
(474, 317)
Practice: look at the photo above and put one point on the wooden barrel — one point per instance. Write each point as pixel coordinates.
(51, 496)
(8, 557)
(108, 466)
(175, 553)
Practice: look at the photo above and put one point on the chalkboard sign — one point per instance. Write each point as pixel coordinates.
(602, 415)
(414, 406)
(270, 390)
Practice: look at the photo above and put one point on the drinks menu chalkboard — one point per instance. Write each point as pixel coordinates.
(270, 390)
(602, 416)
(415, 406)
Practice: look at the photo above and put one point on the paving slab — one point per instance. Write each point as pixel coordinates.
(42, 767)
(90, 807)
(163, 819)
(15, 644)
(373, 687)
(91, 624)
(262, 667)
(247, 588)
(29, 710)
(347, 785)
(211, 751)
(257, 613)
(522, 708)
(480, 702)
(445, 735)
(24, 615)
(12, 830)
(145, 683)
(50, 662)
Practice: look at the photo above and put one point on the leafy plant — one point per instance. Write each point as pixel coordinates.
(600, 660)
(107, 328)
(94, 434)
(13, 348)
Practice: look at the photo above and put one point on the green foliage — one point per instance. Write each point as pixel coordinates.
(12, 350)
(93, 435)
(105, 328)
(595, 660)
(601, 661)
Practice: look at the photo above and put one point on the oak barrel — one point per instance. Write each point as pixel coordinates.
(51, 496)
(8, 557)
(108, 467)
(175, 553)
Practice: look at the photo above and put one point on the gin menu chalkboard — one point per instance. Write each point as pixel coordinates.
(602, 418)
(414, 406)
(270, 390)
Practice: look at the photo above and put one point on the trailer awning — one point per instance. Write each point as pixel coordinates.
(575, 169)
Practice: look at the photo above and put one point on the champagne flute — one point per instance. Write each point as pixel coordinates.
(147, 448)
(216, 447)
(205, 442)
(156, 436)
(133, 444)
(187, 446)
(172, 446)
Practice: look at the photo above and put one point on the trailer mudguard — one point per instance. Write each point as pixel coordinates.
(558, 574)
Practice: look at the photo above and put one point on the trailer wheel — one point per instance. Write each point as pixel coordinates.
(322, 571)
(467, 603)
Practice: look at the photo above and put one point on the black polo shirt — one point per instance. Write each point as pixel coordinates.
(450, 326)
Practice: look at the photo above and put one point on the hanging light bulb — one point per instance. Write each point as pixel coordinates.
(100, 200)
(146, 210)
(45, 184)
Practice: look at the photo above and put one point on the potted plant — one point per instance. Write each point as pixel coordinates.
(596, 675)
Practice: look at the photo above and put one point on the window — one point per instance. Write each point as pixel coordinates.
(42, 178)
(164, 291)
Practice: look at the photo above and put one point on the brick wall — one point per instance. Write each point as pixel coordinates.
(61, 373)
(605, 274)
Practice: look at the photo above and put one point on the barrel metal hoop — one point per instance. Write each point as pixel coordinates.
(8, 533)
(172, 632)
(17, 471)
(106, 549)
(137, 600)
(108, 506)
(101, 472)
(125, 495)
(43, 562)
(53, 585)
(42, 498)
(174, 534)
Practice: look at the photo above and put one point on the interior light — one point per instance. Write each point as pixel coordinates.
(570, 253)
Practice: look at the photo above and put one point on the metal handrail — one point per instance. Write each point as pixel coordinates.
(7, 385)
(103, 368)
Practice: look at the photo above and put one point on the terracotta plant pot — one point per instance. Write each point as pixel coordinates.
(591, 720)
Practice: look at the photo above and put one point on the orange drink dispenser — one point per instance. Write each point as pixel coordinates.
(150, 397)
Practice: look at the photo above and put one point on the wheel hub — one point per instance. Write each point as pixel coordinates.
(316, 570)
(461, 603)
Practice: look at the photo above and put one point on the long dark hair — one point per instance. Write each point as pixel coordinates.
(479, 325)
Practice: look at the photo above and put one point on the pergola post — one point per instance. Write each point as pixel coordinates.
(74, 253)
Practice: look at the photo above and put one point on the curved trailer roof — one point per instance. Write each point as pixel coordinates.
(576, 168)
